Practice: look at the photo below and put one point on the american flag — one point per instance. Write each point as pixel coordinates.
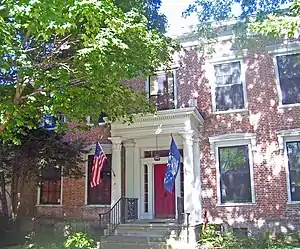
(98, 162)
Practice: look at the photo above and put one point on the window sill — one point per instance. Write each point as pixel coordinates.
(236, 204)
(48, 205)
(97, 205)
(293, 203)
(281, 107)
(230, 111)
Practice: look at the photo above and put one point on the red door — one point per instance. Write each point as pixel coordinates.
(164, 206)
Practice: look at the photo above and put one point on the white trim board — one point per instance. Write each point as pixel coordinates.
(230, 140)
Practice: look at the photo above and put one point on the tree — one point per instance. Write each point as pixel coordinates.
(40, 151)
(71, 57)
(280, 25)
(268, 18)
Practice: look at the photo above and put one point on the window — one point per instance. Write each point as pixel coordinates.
(162, 90)
(146, 189)
(101, 194)
(50, 191)
(229, 87)
(234, 171)
(293, 154)
(49, 121)
(289, 78)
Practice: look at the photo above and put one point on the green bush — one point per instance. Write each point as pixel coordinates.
(79, 240)
(211, 238)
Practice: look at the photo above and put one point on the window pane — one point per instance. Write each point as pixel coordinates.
(293, 152)
(50, 192)
(50, 186)
(235, 174)
(289, 76)
(229, 97)
(229, 73)
(100, 194)
(161, 90)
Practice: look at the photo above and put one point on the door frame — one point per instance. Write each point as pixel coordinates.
(151, 198)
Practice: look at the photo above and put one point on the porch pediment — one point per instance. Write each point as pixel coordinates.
(163, 122)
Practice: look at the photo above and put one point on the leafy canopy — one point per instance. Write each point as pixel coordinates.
(270, 18)
(71, 57)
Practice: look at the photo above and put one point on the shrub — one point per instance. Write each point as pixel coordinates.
(79, 240)
(211, 238)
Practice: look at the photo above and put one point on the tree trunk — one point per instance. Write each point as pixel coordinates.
(3, 195)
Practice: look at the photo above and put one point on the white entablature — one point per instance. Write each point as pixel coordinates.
(162, 123)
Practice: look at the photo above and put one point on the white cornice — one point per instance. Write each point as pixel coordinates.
(163, 122)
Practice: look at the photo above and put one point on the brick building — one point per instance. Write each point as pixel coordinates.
(236, 121)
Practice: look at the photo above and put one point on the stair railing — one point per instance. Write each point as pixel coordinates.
(123, 210)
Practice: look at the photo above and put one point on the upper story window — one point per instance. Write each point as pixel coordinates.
(289, 78)
(162, 90)
(229, 92)
(49, 121)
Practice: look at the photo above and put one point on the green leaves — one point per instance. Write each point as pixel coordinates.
(71, 57)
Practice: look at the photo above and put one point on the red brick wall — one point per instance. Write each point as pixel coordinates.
(262, 118)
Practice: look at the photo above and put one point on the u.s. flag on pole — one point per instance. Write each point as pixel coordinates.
(98, 162)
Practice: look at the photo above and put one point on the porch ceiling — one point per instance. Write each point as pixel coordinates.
(163, 122)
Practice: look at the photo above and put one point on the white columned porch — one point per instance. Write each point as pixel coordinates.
(116, 183)
(139, 137)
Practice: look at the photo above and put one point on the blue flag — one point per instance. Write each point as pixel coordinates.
(172, 167)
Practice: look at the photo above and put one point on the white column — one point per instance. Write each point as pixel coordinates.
(137, 183)
(197, 181)
(129, 171)
(116, 181)
(188, 169)
(189, 189)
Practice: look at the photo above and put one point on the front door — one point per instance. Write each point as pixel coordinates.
(164, 206)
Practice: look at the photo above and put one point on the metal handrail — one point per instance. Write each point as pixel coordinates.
(124, 209)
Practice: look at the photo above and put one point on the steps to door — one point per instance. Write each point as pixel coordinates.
(142, 235)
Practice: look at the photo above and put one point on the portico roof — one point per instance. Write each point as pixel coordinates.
(163, 122)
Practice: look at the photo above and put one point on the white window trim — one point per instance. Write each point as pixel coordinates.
(282, 51)
(107, 148)
(147, 85)
(292, 135)
(211, 77)
(38, 201)
(228, 140)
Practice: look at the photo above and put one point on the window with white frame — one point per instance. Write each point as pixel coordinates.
(289, 78)
(234, 171)
(229, 86)
(234, 165)
(293, 156)
(162, 89)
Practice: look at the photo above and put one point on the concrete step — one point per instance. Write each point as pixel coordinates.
(134, 245)
(149, 227)
(142, 238)
(148, 230)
